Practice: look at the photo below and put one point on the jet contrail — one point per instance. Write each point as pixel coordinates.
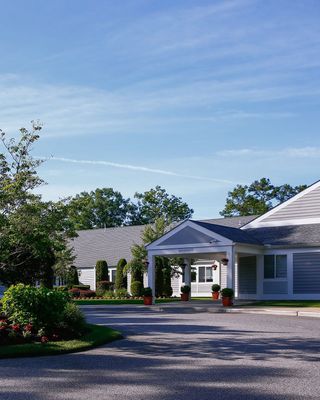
(137, 168)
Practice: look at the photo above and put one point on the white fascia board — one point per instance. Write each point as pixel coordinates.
(191, 250)
(287, 222)
(215, 236)
(257, 222)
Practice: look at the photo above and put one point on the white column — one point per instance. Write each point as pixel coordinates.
(231, 267)
(187, 274)
(152, 275)
(260, 275)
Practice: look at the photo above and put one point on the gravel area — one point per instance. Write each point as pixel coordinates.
(168, 356)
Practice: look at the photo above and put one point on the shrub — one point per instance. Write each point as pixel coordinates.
(136, 288)
(167, 289)
(72, 277)
(41, 307)
(74, 292)
(103, 286)
(215, 287)
(109, 294)
(87, 293)
(102, 271)
(159, 277)
(121, 276)
(147, 292)
(81, 287)
(185, 289)
(121, 293)
(72, 322)
(227, 292)
(61, 288)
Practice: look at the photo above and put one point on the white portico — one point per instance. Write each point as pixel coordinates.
(193, 240)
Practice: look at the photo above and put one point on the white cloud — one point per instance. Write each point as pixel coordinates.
(138, 168)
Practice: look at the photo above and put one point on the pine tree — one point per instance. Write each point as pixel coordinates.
(121, 277)
(102, 271)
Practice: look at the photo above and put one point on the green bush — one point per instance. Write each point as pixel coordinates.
(167, 289)
(102, 271)
(121, 293)
(227, 292)
(81, 287)
(73, 321)
(121, 277)
(72, 277)
(159, 277)
(147, 292)
(136, 288)
(109, 294)
(61, 288)
(215, 287)
(185, 289)
(103, 286)
(41, 307)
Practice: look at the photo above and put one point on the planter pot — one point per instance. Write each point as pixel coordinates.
(147, 300)
(227, 301)
(215, 295)
(184, 296)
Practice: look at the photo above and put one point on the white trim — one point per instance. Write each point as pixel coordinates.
(257, 222)
(188, 223)
(287, 222)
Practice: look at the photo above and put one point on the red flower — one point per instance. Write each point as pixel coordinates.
(44, 339)
(28, 328)
(15, 327)
(3, 327)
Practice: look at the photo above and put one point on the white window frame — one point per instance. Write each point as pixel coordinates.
(275, 268)
(198, 274)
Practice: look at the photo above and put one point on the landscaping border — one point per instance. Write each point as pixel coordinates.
(97, 336)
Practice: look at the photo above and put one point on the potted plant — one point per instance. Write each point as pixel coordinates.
(147, 296)
(185, 292)
(227, 295)
(215, 291)
(224, 261)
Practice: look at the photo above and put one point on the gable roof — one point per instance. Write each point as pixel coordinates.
(235, 234)
(303, 208)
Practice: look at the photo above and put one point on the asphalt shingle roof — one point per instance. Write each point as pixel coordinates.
(289, 235)
(235, 234)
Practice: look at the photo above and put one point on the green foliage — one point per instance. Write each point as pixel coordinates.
(121, 276)
(81, 287)
(227, 292)
(121, 293)
(157, 203)
(102, 271)
(215, 287)
(109, 294)
(102, 208)
(33, 233)
(136, 288)
(147, 292)
(257, 198)
(159, 277)
(103, 286)
(40, 306)
(136, 267)
(185, 289)
(72, 278)
(72, 320)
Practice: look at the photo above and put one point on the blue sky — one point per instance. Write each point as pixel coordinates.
(195, 96)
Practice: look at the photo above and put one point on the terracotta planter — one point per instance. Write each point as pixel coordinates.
(147, 300)
(215, 295)
(227, 301)
(184, 296)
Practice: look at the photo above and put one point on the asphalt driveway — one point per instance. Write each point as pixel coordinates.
(167, 356)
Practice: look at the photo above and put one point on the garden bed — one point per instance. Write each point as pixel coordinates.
(82, 302)
(96, 336)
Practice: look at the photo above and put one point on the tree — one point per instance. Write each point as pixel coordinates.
(102, 273)
(157, 203)
(121, 277)
(72, 276)
(33, 234)
(257, 198)
(102, 208)
(159, 276)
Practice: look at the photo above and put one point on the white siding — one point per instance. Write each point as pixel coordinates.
(87, 277)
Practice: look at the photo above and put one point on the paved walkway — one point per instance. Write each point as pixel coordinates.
(167, 356)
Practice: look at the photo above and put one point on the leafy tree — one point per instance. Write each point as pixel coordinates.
(102, 273)
(257, 198)
(33, 234)
(102, 208)
(157, 203)
(159, 276)
(121, 277)
(72, 276)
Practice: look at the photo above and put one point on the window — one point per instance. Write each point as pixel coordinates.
(205, 274)
(275, 267)
(112, 275)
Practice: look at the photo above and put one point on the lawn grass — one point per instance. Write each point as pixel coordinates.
(96, 336)
(285, 303)
(119, 301)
